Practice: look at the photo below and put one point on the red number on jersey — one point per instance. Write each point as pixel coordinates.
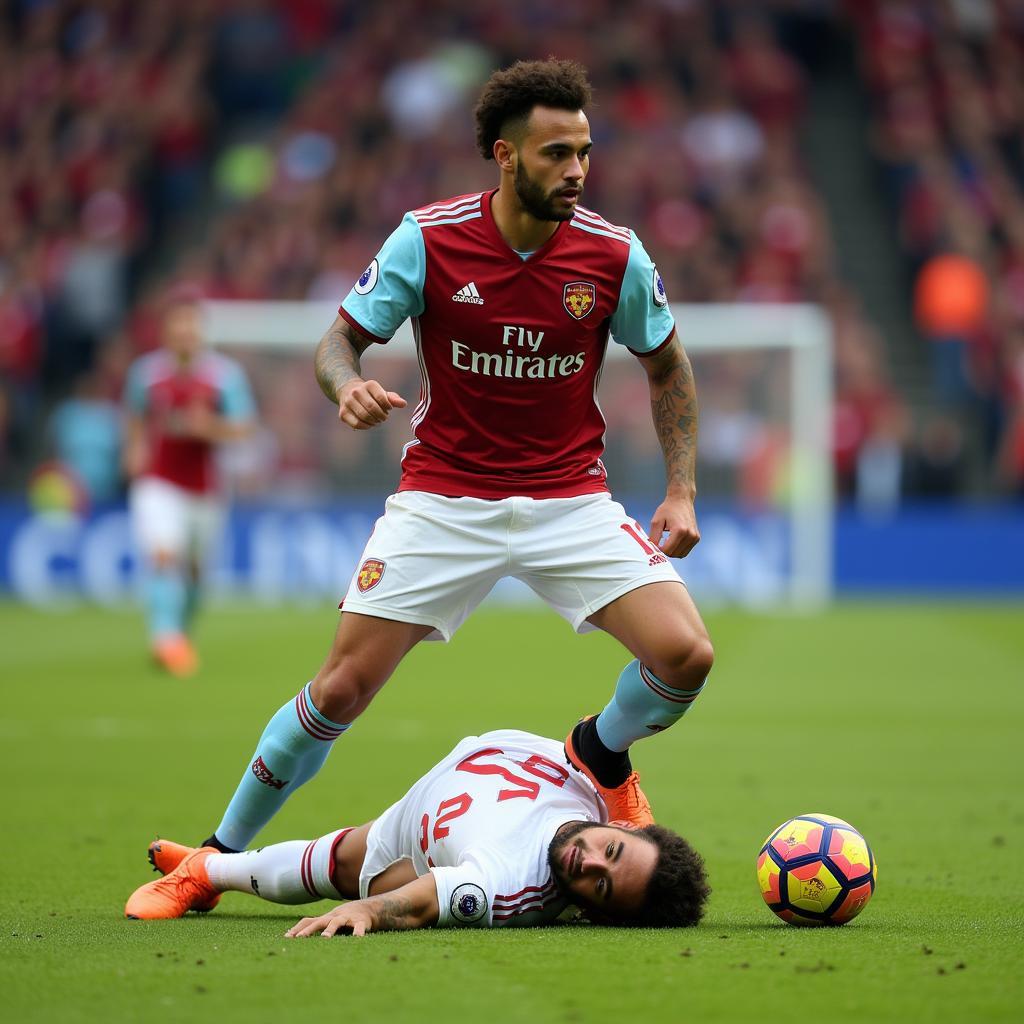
(536, 765)
(546, 769)
(448, 810)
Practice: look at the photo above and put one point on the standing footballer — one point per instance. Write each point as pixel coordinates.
(182, 401)
(513, 295)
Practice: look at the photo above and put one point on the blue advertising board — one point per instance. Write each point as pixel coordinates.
(308, 551)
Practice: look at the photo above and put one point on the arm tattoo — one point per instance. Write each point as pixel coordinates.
(394, 913)
(337, 357)
(674, 407)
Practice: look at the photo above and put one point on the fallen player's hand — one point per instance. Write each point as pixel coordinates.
(350, 918)
(363, 404)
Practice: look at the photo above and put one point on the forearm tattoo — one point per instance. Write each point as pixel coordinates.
(394, 913)
(674, 407)
(337, 358)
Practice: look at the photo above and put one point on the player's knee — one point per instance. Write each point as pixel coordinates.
(686, 663)
(701, 659)
(343, 688)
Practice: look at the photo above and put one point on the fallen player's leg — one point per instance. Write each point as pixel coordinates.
(300, 871)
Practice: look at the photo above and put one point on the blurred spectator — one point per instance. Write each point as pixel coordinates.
(937, 466)
(948, 103)
(1011, 452)
(881, 462)
(951, 306)
(86, 433)
(250, 62)
(870, 426)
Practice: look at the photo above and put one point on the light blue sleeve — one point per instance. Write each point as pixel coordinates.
(642, 322)
(134, 398)
(390, 290)
(236, 401)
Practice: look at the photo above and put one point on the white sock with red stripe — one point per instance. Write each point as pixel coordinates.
(291, 751)
(641, 705)
(293, 872)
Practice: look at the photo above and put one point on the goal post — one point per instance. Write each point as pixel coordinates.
(764, 380)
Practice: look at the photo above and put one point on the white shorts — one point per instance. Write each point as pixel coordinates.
(432, 560)
(169, 519)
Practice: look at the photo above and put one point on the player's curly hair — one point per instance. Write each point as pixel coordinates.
(511, 94)
(678, 888)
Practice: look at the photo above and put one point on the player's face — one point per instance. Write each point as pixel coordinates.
(183, 329)
(602, 868)
(553, 160)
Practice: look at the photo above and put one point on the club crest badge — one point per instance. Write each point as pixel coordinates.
(369, 575)
(579, 297)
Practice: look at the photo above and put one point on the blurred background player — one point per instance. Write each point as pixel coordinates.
(182, 401)
(497, 834)
(514, 293)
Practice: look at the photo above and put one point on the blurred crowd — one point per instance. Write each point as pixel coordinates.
(946, 88)
(265, 148)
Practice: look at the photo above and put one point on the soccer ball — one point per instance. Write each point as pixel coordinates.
(816, 869)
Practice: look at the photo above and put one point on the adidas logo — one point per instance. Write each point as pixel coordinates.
(468, 293)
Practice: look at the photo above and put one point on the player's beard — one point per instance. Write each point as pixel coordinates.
(556, 849)
(538, 203)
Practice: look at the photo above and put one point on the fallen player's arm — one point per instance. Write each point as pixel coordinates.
(414, 905)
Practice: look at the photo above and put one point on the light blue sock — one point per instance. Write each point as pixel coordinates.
(641, 705)
(291, 751)
(164, 597)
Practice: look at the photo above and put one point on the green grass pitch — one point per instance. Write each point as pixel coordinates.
(904, 719)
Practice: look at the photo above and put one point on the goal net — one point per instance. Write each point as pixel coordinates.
(311, 489)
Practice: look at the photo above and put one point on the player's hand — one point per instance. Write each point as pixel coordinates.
(353, 918)
(135, 460)
(363, 404)
(674, 527)
(199, 422)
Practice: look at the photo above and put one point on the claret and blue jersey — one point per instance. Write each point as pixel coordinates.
(510, 345)
(159, 389)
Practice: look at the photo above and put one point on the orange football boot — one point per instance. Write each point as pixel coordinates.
(626, 803)
(165, 855)
(186, 888)
(175, 653)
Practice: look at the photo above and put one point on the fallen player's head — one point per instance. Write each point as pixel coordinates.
(646, 878)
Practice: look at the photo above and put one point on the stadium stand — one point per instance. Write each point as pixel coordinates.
(264, 148)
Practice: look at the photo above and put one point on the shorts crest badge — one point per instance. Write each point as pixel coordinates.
(579, 297)
(369, 575)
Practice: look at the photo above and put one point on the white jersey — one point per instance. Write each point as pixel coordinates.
(480, 822)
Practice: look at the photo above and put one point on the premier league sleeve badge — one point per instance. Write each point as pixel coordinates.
(468, 903)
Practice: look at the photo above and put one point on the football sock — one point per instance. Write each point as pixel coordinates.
(294, 872)
(164, 597)
(291, 751)
(641, 705)
(217, 844)
(611, 768)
